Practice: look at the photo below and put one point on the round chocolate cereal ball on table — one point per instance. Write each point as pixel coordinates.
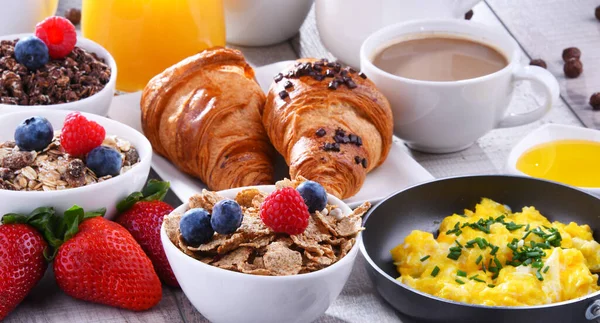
(573, 68)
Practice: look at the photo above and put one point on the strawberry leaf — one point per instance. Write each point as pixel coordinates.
(154, 191)
(73, 217)
(94, 213)
(69, 225)
(12, 218)
(129, 201)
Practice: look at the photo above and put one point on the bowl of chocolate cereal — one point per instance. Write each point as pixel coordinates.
(59, 158)
(280, 253)
(77, 74)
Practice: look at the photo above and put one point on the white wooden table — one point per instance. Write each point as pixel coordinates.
(542, 27)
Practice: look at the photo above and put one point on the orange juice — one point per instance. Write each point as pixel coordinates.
(574, 162)
(147, 36)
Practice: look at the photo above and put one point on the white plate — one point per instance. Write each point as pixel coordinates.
(397, 172)
(546, 133)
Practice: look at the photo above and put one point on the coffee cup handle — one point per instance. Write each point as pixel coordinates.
(551, 91)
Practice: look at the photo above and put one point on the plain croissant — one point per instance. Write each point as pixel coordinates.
(203, 115)
(330, 124)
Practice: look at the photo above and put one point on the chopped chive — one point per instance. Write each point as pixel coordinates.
(537, 264)
(526, 235)
(478, 259)
(474, 276)
(527, 261)
(479, 280)
(483, 268)
(491, 285)
(462, 215)
(513, 226)
(539, 276)
(480, 243)
(493, 269)
(494, 250)
(455, 249)
(425, 258)
(533, 254)
(459, 281)
(435, 271)
(461, 273)
(546, 269)
(458, 244)
(454, 255)
(527, 227)
(543, 245)
(497, 262)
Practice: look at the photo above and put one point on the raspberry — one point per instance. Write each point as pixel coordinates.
(58, 34)
(80, 135)
(285, 211)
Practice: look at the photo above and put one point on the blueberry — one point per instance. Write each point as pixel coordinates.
(227, 216)
(195, 227)
(34, 133)
(31, 52)
(314, 195)
(104, 161)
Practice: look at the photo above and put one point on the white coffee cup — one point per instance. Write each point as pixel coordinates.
(443, 117)
(344, 24)
(263, 22)
(21, 16)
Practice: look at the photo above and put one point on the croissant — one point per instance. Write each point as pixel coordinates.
(330, 124)
(203, 114)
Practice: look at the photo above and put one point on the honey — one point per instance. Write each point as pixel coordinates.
(573, 162)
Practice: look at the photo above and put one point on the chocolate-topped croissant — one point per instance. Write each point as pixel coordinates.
(331, 124)
(203, 115)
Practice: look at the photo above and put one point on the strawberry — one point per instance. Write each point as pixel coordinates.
(22, 263)
(101, 262)
(142, 214)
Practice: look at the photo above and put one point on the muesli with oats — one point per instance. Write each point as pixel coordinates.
(258, 249)
(54, 169)
(80, 154)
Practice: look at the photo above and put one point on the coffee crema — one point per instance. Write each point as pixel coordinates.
(439, 58)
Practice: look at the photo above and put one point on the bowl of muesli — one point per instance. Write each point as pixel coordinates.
(81, 80)
(251, 269)
(57, 158)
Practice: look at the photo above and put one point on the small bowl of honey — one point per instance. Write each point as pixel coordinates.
(561, 153)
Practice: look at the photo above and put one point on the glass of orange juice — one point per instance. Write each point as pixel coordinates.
(147, 36)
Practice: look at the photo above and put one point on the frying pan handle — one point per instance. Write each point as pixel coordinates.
(593, 312)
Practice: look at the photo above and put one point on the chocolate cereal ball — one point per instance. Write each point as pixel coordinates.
(595, 100)
(538, 62)
(573, 68)
(571, 52)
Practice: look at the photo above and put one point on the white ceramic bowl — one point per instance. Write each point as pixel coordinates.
(98, 103)
(263, 22)
(105, 194)
(224, 296)
(546, 133)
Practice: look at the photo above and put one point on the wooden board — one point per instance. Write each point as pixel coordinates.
(530, 21)
(546, 27)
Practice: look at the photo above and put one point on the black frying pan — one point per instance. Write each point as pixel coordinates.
(422, 207)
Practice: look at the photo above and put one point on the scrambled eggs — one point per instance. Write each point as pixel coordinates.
(498, 258)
